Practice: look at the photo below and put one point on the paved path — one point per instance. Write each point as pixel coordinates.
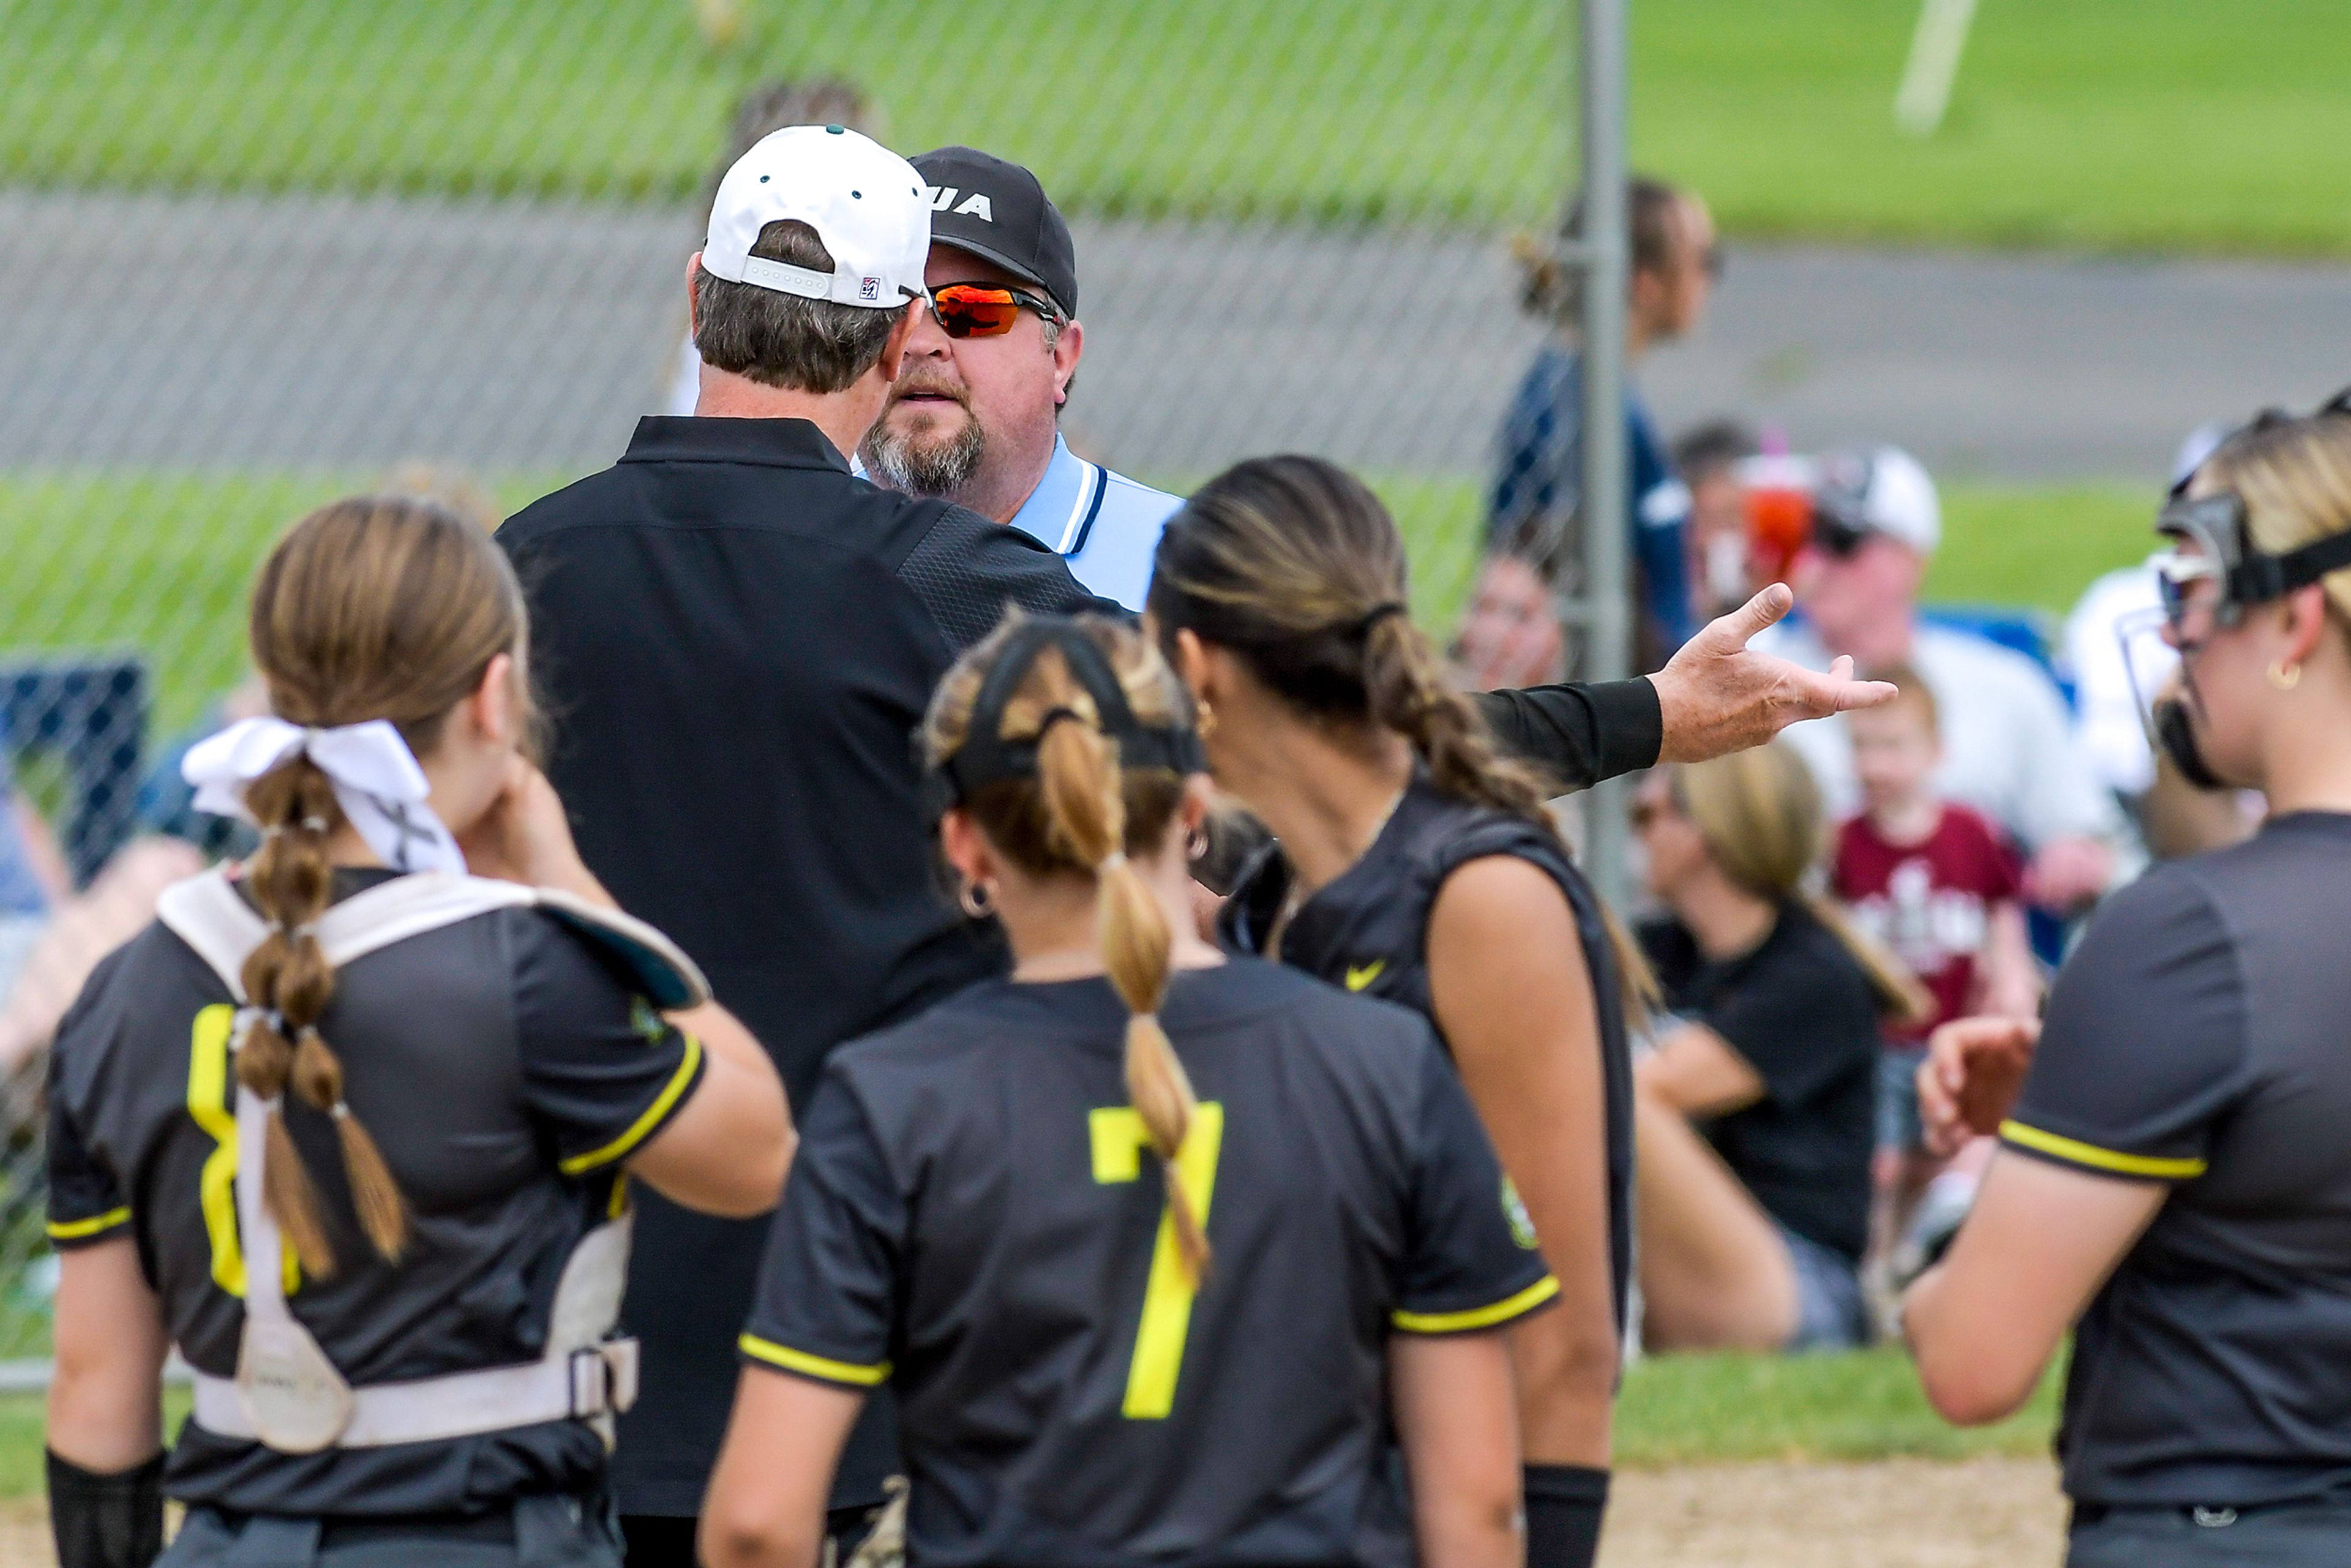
(314, 331)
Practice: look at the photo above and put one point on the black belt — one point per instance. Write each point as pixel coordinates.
(496, 1528)
(2212, 1516)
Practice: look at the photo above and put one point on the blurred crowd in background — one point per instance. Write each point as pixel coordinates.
(1811, 911)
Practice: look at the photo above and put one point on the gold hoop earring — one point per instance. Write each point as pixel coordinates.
(978, 900)
(1206, 724)
(2285, 677)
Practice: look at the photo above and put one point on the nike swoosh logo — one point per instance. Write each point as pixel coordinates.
(1360, 977)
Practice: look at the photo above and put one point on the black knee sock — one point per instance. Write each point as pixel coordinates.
(1565, 1504)
(101, 1521)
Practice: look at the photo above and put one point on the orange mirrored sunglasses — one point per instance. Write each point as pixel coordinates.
(978, 310)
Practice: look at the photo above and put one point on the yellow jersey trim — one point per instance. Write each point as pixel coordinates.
(2074, 1152)
(822, 1367)
(643, 1126)
(1500, 1312)
(76, 1229)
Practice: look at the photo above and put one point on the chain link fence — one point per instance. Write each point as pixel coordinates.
(255, 254)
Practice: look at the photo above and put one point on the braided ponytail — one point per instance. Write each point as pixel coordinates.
(288, 981)
(1085, 812)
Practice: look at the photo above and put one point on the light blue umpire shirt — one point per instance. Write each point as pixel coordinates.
(1103, 523)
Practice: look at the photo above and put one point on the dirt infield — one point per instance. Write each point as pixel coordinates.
(1895, 1513)
(1900, 1513)
(25, 1535)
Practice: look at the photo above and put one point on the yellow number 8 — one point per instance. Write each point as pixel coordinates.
(1119, 1141)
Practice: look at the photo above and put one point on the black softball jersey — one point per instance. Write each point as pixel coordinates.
(2200, 1037)
(505, 1066)
(1367, 930)
(974, 1218)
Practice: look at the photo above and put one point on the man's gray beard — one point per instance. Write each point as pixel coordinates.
(922, 464)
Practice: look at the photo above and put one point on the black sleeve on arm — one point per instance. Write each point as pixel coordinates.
(1472, 1261)
(602, 1069)
(826, 1303)
(87, 1203)
(2144, 1046)
(1578, 734)
(966, 570)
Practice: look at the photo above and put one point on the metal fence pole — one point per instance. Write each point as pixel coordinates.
(1607, 642)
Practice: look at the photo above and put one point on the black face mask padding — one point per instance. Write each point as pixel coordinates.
(985, 757)
(2175, 731)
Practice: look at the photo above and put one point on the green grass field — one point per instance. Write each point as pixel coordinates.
(160, 561)
(1673, 1411)
(2103, 123)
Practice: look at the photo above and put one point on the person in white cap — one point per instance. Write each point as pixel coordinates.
(2008, 749)
(738, 636)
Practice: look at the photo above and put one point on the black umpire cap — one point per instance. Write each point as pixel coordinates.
(999, 213)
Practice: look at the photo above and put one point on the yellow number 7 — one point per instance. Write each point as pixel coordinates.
(1119, 1141)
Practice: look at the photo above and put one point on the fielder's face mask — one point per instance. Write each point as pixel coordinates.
(2207, 580)
(985, 757)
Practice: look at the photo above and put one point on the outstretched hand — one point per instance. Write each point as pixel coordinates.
(1717, 695)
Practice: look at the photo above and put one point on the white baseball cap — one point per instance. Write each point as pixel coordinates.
(1881, 489)
(864, 201)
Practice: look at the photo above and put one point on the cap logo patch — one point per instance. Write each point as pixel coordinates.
(973, 205)
(869, 288)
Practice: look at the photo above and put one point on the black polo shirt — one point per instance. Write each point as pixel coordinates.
(735, 638)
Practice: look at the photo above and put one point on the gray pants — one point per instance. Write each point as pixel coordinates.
(549, 1532)
(2315, 1534)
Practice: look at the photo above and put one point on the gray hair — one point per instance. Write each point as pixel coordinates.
(781, 340)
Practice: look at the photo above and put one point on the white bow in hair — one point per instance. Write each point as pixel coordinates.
(375, 777)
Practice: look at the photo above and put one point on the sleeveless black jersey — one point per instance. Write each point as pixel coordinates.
(1368, 931)
(974, 1218)
(504, 1064)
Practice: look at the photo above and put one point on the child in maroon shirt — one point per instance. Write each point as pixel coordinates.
(1935, 884)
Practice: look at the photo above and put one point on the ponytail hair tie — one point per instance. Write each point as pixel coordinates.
(1113, 860)
(1365, 623)
(1054, 716)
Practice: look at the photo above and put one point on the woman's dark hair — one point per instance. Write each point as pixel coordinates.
(389, 607)
(1293, 565)
(1549, 288)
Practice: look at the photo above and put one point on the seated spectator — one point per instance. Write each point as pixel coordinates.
(1511, 635)
(33, 877)
(1715, 536)
(1935, 886)
(2009, 747)
(1756, 1112)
